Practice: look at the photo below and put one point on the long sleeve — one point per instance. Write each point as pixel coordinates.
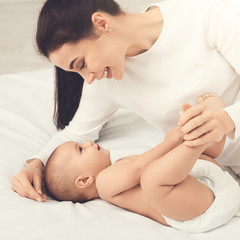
(95, 109)
(223, 31)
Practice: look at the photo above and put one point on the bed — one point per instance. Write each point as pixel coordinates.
(26, 107)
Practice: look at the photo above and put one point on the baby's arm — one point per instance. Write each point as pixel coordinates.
(126, 174)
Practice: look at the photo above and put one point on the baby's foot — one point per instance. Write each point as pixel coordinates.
(213, 102)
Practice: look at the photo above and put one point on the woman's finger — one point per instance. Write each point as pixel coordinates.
(37, 183)
(198, 126)
(192, 124)
(197, 142)
(197, 122)
(199, 131)
(204, 139)
(191, 113)
(32, 193)
(29, 190)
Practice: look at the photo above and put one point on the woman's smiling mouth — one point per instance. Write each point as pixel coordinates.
(106, 72)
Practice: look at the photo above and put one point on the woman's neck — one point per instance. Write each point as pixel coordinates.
(140, 31)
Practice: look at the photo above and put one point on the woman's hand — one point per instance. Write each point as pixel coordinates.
(27, 183)
(201, 126)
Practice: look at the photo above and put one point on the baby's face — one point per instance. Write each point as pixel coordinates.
(88, 157)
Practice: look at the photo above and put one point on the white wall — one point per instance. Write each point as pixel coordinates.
(136, 5)
(127, 5)
(18, 1)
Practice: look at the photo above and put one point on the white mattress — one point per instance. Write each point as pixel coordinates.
(26, 106)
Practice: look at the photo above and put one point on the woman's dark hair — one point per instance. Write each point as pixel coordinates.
(68, 21)
(68, 92)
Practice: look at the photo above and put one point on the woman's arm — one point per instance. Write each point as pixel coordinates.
(95, 109)
(222, 31)
(223, 34)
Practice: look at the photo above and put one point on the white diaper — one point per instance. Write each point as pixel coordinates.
(225, 205)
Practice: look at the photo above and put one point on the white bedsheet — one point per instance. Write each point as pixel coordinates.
(26, 106)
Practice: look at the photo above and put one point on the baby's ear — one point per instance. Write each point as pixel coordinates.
(84, 181)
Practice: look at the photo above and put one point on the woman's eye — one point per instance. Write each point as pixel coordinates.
(80, 149)
(83, 65)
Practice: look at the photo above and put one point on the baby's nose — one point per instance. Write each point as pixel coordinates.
(89, 143)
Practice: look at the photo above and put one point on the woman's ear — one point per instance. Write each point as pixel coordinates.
(101, 23)
(84, 181)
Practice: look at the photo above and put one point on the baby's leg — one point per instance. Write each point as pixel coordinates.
(171, 190)
(183, 201)
(212, 101)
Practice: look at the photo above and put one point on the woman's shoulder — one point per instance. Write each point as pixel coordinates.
(198, 4)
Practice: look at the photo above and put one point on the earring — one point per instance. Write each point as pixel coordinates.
(110, 29)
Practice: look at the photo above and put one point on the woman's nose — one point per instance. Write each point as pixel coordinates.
(88, 77)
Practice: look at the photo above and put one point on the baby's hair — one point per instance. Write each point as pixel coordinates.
(59, 183)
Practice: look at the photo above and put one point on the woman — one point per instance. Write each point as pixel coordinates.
(148, 62)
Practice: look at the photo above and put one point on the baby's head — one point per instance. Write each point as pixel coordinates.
(71, 171)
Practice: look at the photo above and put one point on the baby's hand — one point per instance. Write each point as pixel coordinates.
(175, 135)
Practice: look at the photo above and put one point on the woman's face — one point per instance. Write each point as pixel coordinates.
(92, 58)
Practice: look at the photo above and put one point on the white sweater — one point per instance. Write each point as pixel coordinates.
(198, 51)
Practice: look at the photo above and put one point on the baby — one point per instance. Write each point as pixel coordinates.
(172, 183)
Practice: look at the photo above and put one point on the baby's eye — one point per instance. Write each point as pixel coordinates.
(80, 149)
